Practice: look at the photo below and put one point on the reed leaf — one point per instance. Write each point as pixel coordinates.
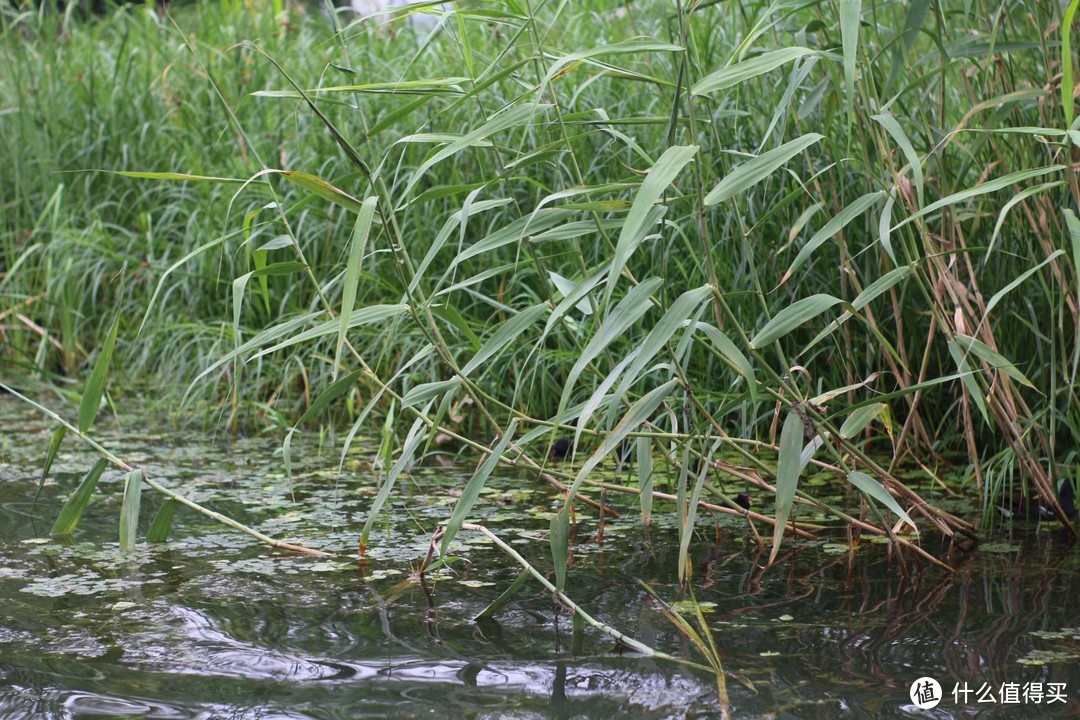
(95, 385)
(789, 466)
(753, 171)
(161, 525)
(476, 483)
(68, 518)
(129, 510)
(874, 490)
(741, 72)
(357, 246)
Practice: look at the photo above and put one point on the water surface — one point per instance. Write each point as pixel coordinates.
(213, 624)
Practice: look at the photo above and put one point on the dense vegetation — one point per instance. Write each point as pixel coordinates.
(837, 229)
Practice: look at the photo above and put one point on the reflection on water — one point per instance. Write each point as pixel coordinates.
(212, 625)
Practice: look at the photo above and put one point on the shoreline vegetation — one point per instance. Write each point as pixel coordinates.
(750, 241)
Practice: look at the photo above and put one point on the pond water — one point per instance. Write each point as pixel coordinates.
(213, 624)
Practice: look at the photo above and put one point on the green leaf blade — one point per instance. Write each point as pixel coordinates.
(95, 385)
(788, 469)
(129, 510)
(68, 518)
(753, 171)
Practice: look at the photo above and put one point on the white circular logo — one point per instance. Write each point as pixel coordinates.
(925, 693)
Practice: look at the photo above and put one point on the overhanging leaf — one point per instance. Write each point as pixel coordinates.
(68, 519)
(873, 489)
(788, 468)
(357, 245)
(162, 522)
(129, 510)
(95, 385)
(474, 486)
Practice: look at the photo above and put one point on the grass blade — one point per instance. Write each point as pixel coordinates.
(835, 225)
(408, 450)
(68, 519)
(792, 317)
(638, 413)
(753, 171)
(967, 377)
(516, 116)
(162, 522)
(626, 313)
(645, 478)
(50, 456)
(559, 540)
(892, 127)
(987, 187)
(860, 418)
(318, 186)
(788, 468)
(849, 39)
(677, 316)
(474, 486)
(129, 510)
(871, 488)
(741, 72)
(95, 386)
(357, 245)
(508, 333)
(635, 229)
(992, 358)
(1020, 280)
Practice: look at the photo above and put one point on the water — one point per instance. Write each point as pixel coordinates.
(214, 625)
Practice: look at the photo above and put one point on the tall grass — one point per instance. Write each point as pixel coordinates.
(833, 229)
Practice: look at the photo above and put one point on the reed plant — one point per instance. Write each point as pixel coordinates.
(739, 240)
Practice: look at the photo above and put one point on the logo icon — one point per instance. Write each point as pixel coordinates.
(925, 693)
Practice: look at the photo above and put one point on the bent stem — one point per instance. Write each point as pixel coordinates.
(561, 597)
(127, 467)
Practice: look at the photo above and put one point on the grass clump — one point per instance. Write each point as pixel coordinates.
(836, 231)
